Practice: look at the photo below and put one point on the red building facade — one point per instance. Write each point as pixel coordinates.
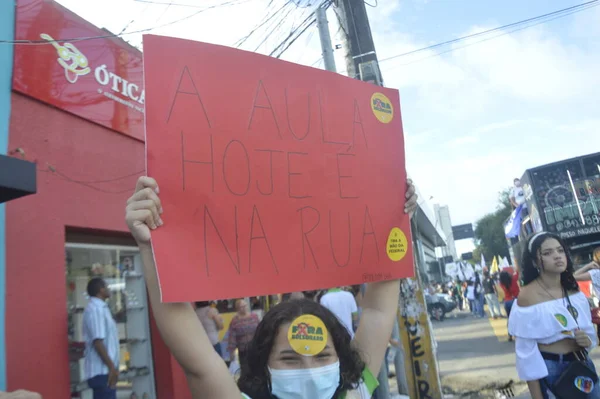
(81, 121)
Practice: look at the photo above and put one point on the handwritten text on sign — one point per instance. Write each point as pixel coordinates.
(274, 177)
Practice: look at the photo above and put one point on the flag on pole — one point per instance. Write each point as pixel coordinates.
(494, 268)
(482, 261)
(513, 225)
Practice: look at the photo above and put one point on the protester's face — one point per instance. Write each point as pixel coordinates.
(242, 306)
(517, 183)
(552, 256)
(283, 357)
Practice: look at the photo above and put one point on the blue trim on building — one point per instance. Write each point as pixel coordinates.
(7, 32)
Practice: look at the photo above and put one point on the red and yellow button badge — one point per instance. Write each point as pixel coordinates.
(382, 108)
(307, 335)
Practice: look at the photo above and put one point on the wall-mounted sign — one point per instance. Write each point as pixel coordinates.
(96, 79)
(462, 231)
(565, 196)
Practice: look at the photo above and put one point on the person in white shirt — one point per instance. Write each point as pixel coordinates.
(590, 272)
(517, 196)
(343, 305)
(552, 324)
(101, 342)
(471, 296)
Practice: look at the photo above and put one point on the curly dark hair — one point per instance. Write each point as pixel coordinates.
(528, 262)
(255, 380)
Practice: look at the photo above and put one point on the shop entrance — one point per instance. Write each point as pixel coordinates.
(120, 267)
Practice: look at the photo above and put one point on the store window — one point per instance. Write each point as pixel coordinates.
(121, 269)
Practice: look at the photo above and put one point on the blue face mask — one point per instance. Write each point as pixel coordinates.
(316, 383)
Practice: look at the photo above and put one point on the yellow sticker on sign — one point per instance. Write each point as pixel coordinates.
(307, 335)
(382, 108)
(397, 245)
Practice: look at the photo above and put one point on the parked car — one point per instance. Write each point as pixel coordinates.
(438, 305)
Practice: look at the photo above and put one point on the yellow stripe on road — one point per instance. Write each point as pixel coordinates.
(500, 329)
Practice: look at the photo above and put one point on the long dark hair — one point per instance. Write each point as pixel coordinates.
(530, 256)
(255, 380)
(506, 279)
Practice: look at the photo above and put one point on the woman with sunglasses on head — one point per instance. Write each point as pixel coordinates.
(300, 349)
(551, 323)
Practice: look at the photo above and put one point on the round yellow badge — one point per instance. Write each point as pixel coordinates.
(307, 335)
(396, 245)
(382, 108)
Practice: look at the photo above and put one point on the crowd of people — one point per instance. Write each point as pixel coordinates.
(549, 317)
(474, 293)
(336, 343)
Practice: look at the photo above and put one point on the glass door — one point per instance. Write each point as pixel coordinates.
(120, 267)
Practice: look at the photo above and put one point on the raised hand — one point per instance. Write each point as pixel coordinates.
(143, 211)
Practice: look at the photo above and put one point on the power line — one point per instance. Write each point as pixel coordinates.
(317, 62)
(306, 44)
(133, 20)
(168, 3)
(576, 8)
(310, 20)
(89, 184)
(78, 39)
(314, 21)
(164, 11)
(494, 37)
(265, 20)
(274, 26)
(297, 32)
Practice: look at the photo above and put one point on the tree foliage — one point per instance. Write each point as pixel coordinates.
(489, 230)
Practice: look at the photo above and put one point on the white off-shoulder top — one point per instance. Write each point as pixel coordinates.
(545, 323)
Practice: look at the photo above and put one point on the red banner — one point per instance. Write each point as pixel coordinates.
(97, 79)
(274, 177)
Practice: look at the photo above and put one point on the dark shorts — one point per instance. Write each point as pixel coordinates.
(99, 385)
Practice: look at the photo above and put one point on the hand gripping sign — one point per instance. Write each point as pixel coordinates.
(274, 177)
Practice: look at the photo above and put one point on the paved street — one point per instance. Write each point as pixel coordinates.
(474, 353)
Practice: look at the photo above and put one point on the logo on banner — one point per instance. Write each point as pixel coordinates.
(382, 108)
(70, 58)
(76, 64)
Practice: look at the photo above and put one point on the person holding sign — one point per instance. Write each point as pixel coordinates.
(300, 349)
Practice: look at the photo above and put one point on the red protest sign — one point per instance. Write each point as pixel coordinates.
(274, 177)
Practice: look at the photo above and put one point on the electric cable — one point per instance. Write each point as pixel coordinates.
(52, 170)
(579, 7)
(490, 38)
(314, 21)
(309, 20)
(265, 20)
(78, 39)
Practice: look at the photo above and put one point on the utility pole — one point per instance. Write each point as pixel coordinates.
(420, 363)
(326, 47)
(361, 58)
